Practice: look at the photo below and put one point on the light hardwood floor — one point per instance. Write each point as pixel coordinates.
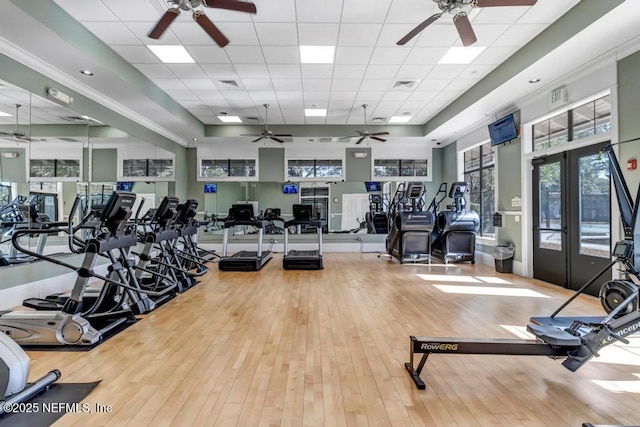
(327, 348)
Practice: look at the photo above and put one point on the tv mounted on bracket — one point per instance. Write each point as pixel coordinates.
(373, 186)
(503, 130)
(290, 188)
(211, 188)
(124, 186)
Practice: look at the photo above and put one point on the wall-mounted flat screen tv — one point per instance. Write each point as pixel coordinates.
(124, 186)
(373, 186)
(211, 188)
(503, 130)
(290, 188)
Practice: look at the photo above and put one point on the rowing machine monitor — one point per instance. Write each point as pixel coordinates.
(623, 249)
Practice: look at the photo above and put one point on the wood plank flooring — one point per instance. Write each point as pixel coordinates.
(327, 348)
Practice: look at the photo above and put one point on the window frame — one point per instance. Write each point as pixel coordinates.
(399, 166)
(481, 168)
(314, 166)
(226, 164)
(165, 164)
(56, 164)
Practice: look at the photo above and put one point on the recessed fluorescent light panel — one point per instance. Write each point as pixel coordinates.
(176, 54)
(315, 112)
(317, 54)
(5, 114)
(230, 119)
(400, 119)
(461, 55)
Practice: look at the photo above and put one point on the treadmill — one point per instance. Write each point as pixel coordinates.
(242, 214)
(297, 259)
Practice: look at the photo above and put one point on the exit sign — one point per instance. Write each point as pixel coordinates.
(559, 96)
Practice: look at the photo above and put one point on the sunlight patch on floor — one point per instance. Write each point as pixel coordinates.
(448, 278)
(489, 290)
(518, 331)
(620, 386)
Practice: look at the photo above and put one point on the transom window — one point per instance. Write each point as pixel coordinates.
(213, 168)
(399, 167)
(147, 168)
(314, 168)
(479, 173)
(54, 168)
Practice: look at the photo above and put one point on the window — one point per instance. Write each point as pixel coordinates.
(310, 168)
(479, 173)
(147, 168)
(55, 168)
(589, 119)
(5, 193)
(399, 167)
(215, 168)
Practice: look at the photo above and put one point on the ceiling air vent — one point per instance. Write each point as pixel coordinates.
(228, 83)
(404, 84)
(378, 120)
(252, 119)
(324, 139)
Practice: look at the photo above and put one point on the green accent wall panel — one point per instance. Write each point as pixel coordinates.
(105, 164)
(358, 169)
(271, 164)
(13, 169)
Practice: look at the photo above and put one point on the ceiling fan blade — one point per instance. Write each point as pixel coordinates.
(419, 28)
(467, 36)
(164, 23)
(276, 139)
(256, 140)
(380, 133)
(360, 140)
(493, 3)
(378, 139)
(284, 135)
(210, 28)
(240, 6)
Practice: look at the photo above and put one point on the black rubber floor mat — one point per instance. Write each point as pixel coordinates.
(50, 405)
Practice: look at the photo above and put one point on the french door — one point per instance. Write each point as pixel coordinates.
(572, 217)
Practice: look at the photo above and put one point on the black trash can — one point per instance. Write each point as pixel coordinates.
(503, 256)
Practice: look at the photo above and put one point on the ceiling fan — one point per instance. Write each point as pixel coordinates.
(17, 133)
(459, 10)
(366, 134)
(266, 133)
(200, 17)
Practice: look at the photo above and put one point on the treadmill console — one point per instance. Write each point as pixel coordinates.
(241, 212)
(623, 249)
(302, 212)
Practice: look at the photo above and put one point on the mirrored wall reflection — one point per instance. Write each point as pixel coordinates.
(344, 207)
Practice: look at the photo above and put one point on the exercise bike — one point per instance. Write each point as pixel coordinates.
(15, 366)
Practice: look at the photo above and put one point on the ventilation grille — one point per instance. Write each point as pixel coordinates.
(228, 83)
(378, 120)
(252, 119)
(404, 84)
(324, 139)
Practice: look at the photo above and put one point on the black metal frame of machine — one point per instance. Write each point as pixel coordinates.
(302, 259)
(242, 214)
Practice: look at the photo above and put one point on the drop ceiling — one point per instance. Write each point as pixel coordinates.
(263, 60)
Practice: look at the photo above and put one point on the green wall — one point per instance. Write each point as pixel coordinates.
(628, 114)
(271, 164)
(13, 169)
(358, 169)
(104, 165)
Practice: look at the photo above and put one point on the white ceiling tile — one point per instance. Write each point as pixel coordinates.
(415, 105)
(237, 95)
(199, 84)
(169, 84)
(220, 71)
(391, 33)
(284, 71)
(136, 54)
(218, 16)
(359, 34)
(210, 95)
(368, 96)
(381, 71)
(207, 54)
(461, 84)
(112, 33)
(431, 85)
(275, 11)
(365, 11)
(447, 96)
(277, 33)
(252, 71)
(192, 104)
(494, 55)
(345, 84)
(257, 84)
(287, 84)
(353, 55)
(374, 85)
(413, 72)
(141, 29)
(127, 10)
(488, 34)
(154, 71)
(190, 33)
(180, 95)
(396, 95)
(499, 15)
(187, 71)
(343, 96)
(546, 11)
(87, 11)
(316, 84)
(476, 71)
(445, 71)
(289, 95)
(519, 35)
(316, 71)
(411, 11)
(425, 55)
(239, 33)
(315, 96)
(245, 54)
(318, 34)
(267, 96)
(318, 11)
(390, 55)
(281, 54)
(349, 71)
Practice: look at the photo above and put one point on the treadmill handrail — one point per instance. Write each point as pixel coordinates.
(254, 222)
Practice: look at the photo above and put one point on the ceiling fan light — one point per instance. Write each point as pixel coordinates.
(230, 119)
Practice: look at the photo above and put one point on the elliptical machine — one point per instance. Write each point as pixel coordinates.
(14, 372)
(454, 234)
